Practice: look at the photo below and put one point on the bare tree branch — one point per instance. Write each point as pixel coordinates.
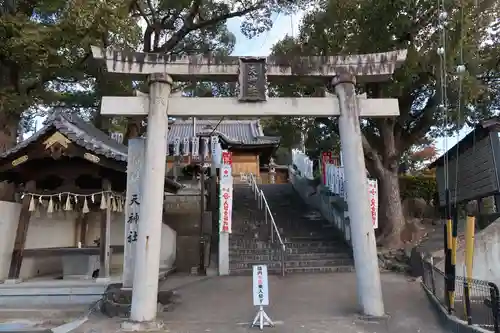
(190, 26)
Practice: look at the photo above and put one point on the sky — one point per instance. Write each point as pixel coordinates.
(262, 44)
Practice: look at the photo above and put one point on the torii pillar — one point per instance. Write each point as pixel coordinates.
(252, 74)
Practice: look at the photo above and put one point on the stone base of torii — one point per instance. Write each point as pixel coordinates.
(253, 75)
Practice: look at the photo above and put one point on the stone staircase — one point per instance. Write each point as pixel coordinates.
(312, 245)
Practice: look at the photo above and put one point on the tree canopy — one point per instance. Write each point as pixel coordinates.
(366, 26)
(44, 47)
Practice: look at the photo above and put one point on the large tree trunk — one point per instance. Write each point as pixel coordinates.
(390, 209)
(383, 163)
(9, 122)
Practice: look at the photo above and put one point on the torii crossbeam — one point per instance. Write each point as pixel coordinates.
(252, 73)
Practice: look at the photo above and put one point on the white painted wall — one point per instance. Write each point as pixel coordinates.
(168, 247)
(44, 231)
(59, 230)
(9, 217)
(486, 265)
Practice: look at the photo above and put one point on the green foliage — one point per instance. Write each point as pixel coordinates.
(424, 187)
(369, 26)
(354, 27)
(44, 46)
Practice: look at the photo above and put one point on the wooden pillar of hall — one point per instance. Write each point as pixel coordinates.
(21, 233)
(105, 235)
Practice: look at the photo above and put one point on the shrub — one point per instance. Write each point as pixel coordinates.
(424, 187)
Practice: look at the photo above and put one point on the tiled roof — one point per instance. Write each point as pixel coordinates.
(85, 135)
(80, 132)
(246, 132)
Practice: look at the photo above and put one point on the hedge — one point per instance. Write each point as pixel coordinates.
(424, 187)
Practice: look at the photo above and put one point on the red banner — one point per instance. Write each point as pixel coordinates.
(227, 158)
(326, 158)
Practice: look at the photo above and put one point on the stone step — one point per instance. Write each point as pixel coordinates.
(303, 250)
(254, 243)
(295, 263)
(291, 257)
(50, 293)
(293, 270)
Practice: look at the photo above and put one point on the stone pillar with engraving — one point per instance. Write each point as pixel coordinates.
(136, 149)
(147, 260)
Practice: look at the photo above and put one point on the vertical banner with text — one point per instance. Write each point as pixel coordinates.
(326, 158)
(373, 195)
(226, 193)
(216, 151)
(260, 285)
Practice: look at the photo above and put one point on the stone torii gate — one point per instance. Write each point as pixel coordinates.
(252, 74)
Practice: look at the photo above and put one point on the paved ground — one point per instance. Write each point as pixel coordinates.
(299, 303)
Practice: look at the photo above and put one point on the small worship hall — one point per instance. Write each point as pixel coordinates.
(68, 219)
(251, 150)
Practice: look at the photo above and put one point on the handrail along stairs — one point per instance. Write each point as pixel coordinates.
(262, 204)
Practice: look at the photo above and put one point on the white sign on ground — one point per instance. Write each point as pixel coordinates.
(261, 296)
(260, 285)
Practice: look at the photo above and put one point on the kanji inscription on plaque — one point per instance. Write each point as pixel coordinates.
(252, 80)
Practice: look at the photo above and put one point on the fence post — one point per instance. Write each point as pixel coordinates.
(271, 228)
(495, 296)
(468, 315)
(447, 263)
(433, 284)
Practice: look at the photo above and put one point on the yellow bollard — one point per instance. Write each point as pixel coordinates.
(469, 245)
(449, 225)
(469, 258)
(453, 267)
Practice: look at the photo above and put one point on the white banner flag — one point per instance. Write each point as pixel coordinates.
(177, 146)
(373, 194)
(185, 146)
(196, 146)
(226, 194)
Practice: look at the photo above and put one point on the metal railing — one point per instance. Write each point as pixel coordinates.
(475, 301)
(275, 236)
(322, 201)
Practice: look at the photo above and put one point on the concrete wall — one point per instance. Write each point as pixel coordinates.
(59, 230)
(182, 214)
(486, 264)
(9, 217)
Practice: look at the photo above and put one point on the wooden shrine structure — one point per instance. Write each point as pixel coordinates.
(243, 138)
(477, 157)
(68, 165)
